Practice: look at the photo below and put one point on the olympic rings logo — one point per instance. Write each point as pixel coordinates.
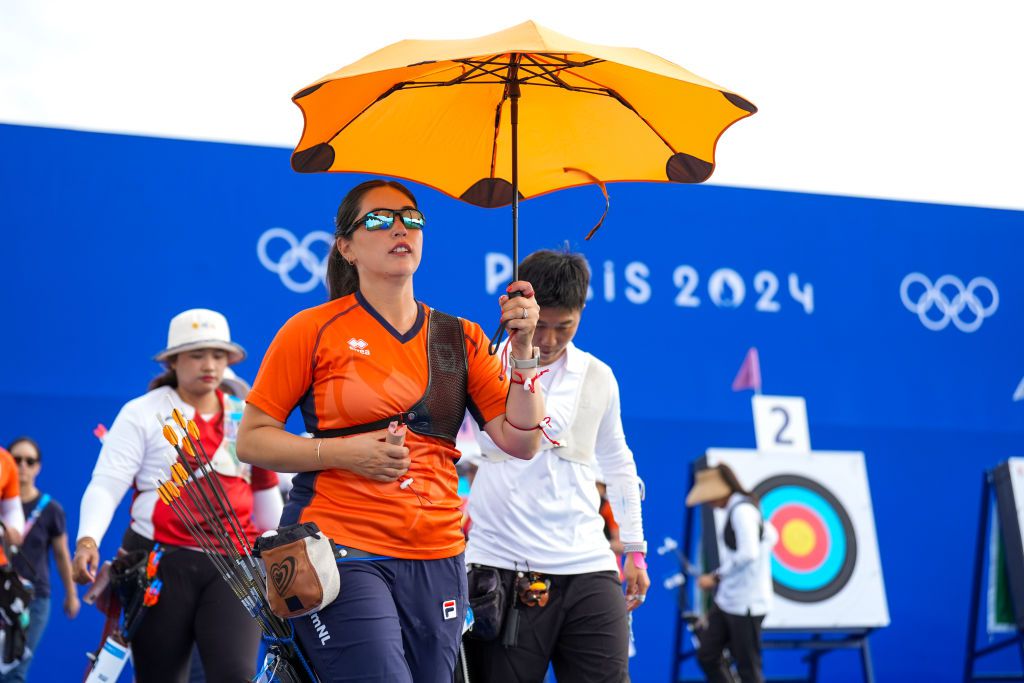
(949, 298)
(297, 255)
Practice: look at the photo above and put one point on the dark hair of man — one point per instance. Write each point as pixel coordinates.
(342, 276)
(30, 441)
(734, 483)
(560, 278)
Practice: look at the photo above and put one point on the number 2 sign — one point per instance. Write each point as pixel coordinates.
(780, 424)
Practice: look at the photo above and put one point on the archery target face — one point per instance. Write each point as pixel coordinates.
(817, 548)
(825, 566)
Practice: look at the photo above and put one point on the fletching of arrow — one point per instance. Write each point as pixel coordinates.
(170, 435)
(160, 491)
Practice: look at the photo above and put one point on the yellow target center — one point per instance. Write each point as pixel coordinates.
(798, 537)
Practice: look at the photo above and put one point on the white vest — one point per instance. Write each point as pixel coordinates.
(579, 438)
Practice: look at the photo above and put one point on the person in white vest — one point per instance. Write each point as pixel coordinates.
(544, 584)
(743, 581)
(194, 605)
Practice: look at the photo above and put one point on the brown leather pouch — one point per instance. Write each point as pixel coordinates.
(302, 575)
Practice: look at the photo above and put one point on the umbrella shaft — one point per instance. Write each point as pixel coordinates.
(515, 187)
(513, 94)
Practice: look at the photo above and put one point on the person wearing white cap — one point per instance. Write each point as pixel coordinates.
(742, 582)
(195, 605)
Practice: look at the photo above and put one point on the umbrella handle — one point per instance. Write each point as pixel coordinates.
(499, 334)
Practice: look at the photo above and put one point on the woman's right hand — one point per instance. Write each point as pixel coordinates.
(86, 561)
(368, 455)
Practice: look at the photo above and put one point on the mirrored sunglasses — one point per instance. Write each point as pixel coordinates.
(383, 219)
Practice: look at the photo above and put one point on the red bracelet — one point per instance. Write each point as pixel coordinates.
(540, 426)
(529, 384)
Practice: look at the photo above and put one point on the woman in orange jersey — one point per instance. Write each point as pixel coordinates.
(370, 356)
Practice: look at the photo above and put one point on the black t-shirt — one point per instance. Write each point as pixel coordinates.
(33, 560)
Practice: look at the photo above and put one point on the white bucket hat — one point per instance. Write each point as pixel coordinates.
(200, 328)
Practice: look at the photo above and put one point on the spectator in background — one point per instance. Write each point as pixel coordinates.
(44, 531)
(742, 584)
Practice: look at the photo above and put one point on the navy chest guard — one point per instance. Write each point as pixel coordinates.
(440, 410)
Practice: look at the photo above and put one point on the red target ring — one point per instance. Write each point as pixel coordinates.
(803, 538)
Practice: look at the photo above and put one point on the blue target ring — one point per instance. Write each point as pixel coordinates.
(820, 576)
(824, 562)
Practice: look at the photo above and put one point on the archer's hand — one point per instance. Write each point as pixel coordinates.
(707, 582)
(370, 455)
(520, 314)
(86, 561)
(637, 584)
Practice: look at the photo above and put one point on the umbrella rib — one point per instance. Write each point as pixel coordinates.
(497, 125)
(412, 84)
(600, 89)
(547, 72)
(474, 67)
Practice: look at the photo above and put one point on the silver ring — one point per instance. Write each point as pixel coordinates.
(641, 597)
(525, 314)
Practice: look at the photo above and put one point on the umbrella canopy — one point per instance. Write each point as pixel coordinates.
(443, 113)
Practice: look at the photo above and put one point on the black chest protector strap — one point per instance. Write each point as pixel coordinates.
(729, 533)
(440, 411)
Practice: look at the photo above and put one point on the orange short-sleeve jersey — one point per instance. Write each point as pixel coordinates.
(343, 365)
(9, 488)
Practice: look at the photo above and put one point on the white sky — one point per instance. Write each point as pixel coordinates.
(900, 99)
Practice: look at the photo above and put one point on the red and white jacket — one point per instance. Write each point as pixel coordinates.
(135, 453)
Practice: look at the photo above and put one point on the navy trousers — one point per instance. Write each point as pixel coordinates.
(394, 620)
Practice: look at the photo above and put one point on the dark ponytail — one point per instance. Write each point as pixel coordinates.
(342, 276)
(734, 483)
(169, 378)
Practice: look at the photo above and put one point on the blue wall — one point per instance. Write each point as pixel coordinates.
(109, 236)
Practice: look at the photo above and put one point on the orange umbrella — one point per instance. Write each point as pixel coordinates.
(514, 115)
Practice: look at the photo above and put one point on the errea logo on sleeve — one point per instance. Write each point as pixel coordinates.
(359, 346)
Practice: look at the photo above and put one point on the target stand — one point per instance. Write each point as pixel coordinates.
(824, 559)
(999, 572)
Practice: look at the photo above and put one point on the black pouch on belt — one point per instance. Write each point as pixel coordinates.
(487, 598)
